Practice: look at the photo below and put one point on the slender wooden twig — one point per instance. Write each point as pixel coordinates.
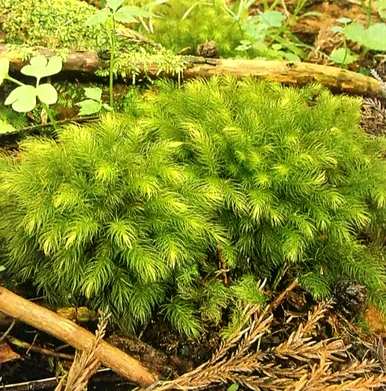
(9, 329)
(33, 348)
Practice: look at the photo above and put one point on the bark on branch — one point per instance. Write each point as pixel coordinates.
(76, 336)
(280, 71)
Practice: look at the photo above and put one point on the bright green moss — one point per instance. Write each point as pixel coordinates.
(137, 212)
(61, 24)
(51, 23)
(183, 25)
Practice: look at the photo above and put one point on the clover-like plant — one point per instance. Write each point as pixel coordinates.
(24, 97)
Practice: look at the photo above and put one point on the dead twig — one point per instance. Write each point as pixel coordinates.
(9, 329)
(37, 349)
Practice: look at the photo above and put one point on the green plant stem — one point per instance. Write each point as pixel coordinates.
(274, 4)
(112, 62)
(369, 10)
(50, 116)
(19, 83)
(299, 7)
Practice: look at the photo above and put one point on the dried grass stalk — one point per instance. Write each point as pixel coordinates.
(86, 363)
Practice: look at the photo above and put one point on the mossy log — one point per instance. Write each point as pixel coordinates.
(76, 336)
(336, 79)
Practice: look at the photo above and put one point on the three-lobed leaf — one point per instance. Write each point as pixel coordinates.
(40, 67)
(100, 17)
(47, 94)
(22, 99)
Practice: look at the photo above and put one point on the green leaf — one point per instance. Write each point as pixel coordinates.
(114, 4)
(54, 66)
(89, 106)
(272, 18)
(355, 32)
(22, 99)
(4, 68)
(40, 67)
(125, 16)
(129, 14)
(5, 127)
(47, 94)
(372, 38)
(94, 93)
(2, 268)
(233, 387)
(99, 17)
(376, 37)
(343, 56)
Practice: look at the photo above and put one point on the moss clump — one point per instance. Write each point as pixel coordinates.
(182, 26)
(61, 24)
(296, 179)
(51, 23)
(139, 211)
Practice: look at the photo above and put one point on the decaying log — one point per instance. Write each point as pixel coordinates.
(76, 336)
(300, 73)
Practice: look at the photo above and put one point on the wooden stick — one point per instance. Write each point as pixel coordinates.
(76, 336)
(300, 73)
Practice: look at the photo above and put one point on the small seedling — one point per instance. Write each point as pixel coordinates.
(93, 104)
(114, 13)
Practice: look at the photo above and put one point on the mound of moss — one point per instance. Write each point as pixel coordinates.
(51, 23)
(61, 24)
(148, 210)
(182, 26)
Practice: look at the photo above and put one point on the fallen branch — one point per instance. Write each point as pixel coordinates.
(300, 73)
(76, 336)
